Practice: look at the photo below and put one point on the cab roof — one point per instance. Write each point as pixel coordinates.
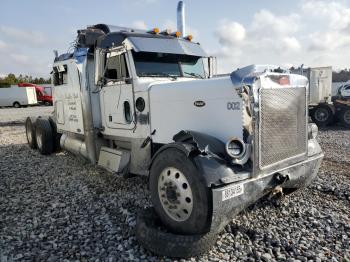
(107, 36)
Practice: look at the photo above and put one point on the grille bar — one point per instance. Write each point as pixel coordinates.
(282, 127)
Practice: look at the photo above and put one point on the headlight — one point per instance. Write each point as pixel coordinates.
(313, 131)
(235, 147)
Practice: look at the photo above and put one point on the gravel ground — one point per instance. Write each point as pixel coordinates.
(60, 208)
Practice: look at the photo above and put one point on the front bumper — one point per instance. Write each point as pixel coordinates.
(250, 190)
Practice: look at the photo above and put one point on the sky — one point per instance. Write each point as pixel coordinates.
(238, 33)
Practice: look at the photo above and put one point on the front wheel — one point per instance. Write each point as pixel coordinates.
(179, 194)
(16, 105)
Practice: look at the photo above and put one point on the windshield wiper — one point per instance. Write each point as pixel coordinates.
(194, 74)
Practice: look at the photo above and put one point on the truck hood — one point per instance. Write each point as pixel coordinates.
(211, 106)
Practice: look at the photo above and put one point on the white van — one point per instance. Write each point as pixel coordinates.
(17, 96)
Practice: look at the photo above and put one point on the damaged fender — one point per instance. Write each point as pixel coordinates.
(209, 156)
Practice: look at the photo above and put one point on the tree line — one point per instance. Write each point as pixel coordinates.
(12, 79)
(341, 76)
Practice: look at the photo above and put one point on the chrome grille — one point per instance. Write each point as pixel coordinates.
(282, 133)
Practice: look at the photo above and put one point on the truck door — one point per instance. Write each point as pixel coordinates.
(117, 93)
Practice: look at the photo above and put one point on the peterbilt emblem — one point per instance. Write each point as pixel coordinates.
(199, 103)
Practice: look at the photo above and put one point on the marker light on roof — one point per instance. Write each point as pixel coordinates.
(189, 37)
(154, 31)
(176, 34)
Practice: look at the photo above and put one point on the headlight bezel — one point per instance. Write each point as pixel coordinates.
(238, 142)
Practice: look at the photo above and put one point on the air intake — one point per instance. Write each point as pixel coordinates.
(181, 18)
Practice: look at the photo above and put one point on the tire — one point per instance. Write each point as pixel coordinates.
(56, 136)
(186, 206)
(47, 103)
(16, 105)
(162, 243)
(344, 117)
(322, 115)
(30, 133)
(44, 136)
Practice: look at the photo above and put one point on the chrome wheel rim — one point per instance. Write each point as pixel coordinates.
(175, 194)
(321, 115)
(29, 134)
(347, 117)
(38, 140)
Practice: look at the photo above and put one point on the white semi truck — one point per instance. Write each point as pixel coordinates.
(324, 108)
(17, 97)
(141, 102)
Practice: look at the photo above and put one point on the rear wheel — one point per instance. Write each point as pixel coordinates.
(179, 194)
(345, 116)
(30, 133)
(44, 136)
(322, 115)
(16, 105)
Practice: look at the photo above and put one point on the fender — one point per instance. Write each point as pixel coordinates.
(208, 155)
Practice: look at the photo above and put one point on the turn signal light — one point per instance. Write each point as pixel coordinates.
(282, 80)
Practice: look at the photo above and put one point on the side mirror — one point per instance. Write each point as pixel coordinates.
(128, 80)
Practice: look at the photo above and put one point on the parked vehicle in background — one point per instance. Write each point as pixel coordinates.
(44, 97)
(17, 97)
(48, 90)
(323, 108)
(344, 91)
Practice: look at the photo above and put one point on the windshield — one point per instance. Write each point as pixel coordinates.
(171, 65)
(41, 92)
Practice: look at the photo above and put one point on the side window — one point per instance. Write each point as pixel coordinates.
(116, 68)
(60, 75)
(347, 87)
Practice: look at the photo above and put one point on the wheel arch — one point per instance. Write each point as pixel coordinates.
(206, 152)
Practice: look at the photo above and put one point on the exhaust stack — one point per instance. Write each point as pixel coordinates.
(181, 18)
